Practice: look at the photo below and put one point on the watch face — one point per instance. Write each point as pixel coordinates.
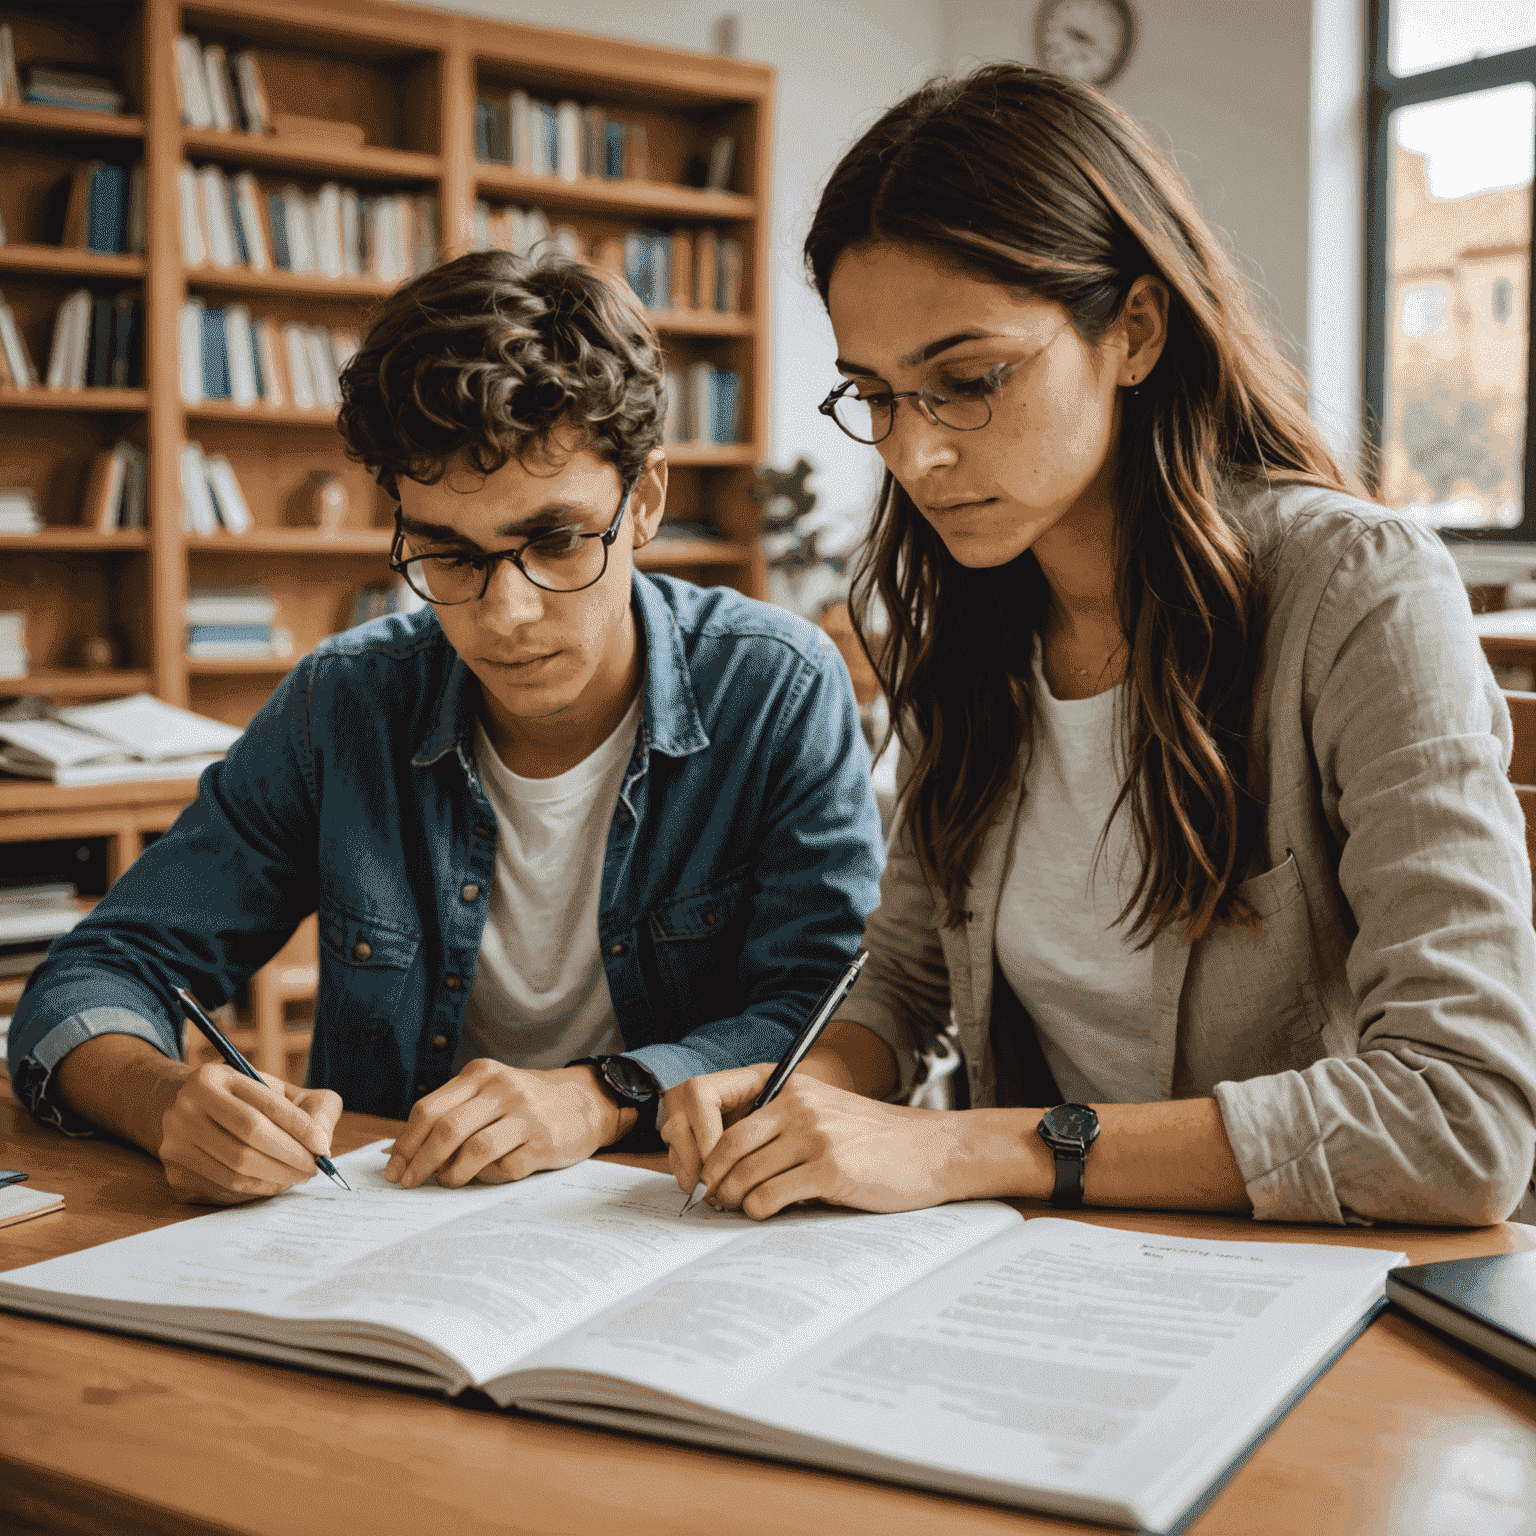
(1073, 1122)
(629, 1079)
(1088, 39)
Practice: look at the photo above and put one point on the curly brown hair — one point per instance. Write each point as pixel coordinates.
(487, 355)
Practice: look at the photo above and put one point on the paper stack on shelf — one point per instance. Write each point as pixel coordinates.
(13, 645)
(19, 510)
(138, 737)
(233, 624)
(31, 918)
(53, 85)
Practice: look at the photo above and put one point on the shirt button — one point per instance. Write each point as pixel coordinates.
(362, 950)
(421, 1087)
(469, 892)
(440, 1041)
(452, 982)
(618, 949)
(709, 919)
(482, 831)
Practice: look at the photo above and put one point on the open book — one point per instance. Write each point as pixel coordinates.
(1048, 1364)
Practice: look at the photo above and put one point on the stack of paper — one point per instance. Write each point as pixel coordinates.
(139, 737)
(18, 510)
(31, 918)
(13, 645)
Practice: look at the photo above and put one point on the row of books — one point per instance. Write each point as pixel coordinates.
(563, 139)
(227, 354)
(215, 89)
(103, 210)
(96, 344)
(53, 85)
(703, 405)
(211, 497)
(233, 624)
(333, 232)
(116, 493)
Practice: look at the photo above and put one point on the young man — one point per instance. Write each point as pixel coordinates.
(575, 834)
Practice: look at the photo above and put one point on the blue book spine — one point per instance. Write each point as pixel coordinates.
(482, 130)
(277, 216)
(215, 356)
(549, 126)
(107, 218)
(637, 263)
(99, 372)
(613, 149)
(261, 379)
(241, 632)
(242, 250)
(660, 264)
(125, 337)
(724, 401)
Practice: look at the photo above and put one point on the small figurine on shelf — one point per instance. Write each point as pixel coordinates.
(806, 550)
(328, 500)
(97, 653)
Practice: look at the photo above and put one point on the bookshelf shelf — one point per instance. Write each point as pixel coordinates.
(598, 196)
(293, 541)
(262, 666)
(56, 120)
(701, 322)
(298, 285)
(261, 415)
(712, 455)
(77, 538)
(319, 157)
(664, 553)
(41, 399)
(77, 683)
(69, 262)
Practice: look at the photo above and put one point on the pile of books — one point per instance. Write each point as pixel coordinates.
(13, 645)
(227, 354)
(138, 737)
(18, 510)
(679, 271)
(215, 90)
(333, 232)
(105, 210)
(211, 497)
(703, 405)
(115, 494)
(96, 341)
(31, 918)
(233, 624)
(17, 370)
(58, 85)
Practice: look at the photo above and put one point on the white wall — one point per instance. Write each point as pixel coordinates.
(839, 66)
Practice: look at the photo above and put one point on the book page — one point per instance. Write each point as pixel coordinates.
(731, 1318)
(1085, 1364)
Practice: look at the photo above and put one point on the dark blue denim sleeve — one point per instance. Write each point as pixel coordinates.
(203, 907)
(814, 881)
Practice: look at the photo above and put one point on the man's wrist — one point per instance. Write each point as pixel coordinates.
(613, 1120)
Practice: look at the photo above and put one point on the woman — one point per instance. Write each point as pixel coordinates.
(1204, 821)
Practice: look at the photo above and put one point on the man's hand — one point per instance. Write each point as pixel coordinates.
(224, 1138)
(814, 1141)
(495, 1123)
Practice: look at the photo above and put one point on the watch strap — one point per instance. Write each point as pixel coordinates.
(1070, 1167)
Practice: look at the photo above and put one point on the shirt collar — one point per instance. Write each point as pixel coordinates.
(671, 719)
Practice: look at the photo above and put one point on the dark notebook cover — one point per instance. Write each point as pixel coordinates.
(1487, 1302)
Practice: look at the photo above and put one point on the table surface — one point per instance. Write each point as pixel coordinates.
(106, 1433)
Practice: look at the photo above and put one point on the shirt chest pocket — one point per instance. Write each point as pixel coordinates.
(695, 943)
(363, 965)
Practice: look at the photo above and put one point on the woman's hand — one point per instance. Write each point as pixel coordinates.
(813, 1142)
(224, 1138)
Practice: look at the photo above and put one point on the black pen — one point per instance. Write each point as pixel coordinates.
(810, 1031)
(225, 1047)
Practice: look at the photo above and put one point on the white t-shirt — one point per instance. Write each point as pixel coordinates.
(540, 995)
(1088, 992)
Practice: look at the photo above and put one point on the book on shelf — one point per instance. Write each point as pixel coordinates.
(63, 85)
(95, 341)
(922, 1349)
(564, 139)
(703, 405)
(238, 642)
(104, 209)
(706, 268)
(10, 82)
(255, 111)
(228, 499)
(220, 91)
(221, 100)
(19, 372)
(211, 497)
(546, 139)
(19, 511)
(68, 355)
(206, 605)
(720, 165)
(567, 140)
(225, 353)
(115, 492)
(14, 658)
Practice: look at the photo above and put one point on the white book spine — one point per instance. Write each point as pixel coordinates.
(192, 251)
(568, 148)
(351, 232)
(242, 366)
(248, 195)
(329, 258)
(214, 192)
(298, 367)
(189, 351)
(17, 358)
(520, 130)
(61, 349)
(192, 83)
(219, 104)
(197, 514)
(234, 511)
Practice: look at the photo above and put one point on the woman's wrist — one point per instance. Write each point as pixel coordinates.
(995, 1154)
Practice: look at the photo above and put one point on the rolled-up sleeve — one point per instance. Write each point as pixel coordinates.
(902, 994)
(1434, 1120)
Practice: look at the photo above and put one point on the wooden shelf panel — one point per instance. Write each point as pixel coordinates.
(76, 683)
(41, 399)
(712, 455)
(38, 795)
(668, 552)
(366, 162)
(251, 666)
(262, 415)
(69, 262)
(77, 538)
(293, 541)
(700, 322)
(55, 120)
(295, 285)
(591, 192)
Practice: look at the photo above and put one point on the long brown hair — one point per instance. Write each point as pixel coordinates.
(1036, 181)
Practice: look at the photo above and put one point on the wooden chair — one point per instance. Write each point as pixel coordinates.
(1522, 761)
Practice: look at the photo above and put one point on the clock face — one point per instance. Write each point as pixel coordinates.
(1088, 39)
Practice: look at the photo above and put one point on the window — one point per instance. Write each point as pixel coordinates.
(1451, 107)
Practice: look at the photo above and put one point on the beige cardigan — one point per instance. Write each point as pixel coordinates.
(1373, 1047)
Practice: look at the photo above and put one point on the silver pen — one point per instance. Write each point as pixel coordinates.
(810, 1031)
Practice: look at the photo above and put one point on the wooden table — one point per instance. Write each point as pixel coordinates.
(123, 1436)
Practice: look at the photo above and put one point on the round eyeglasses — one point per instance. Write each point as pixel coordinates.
(563, 561)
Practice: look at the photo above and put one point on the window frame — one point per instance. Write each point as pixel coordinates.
(1384, 94)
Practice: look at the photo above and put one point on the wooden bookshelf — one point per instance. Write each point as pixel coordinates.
(409, 78)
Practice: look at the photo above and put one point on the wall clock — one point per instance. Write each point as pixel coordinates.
(1090, 40)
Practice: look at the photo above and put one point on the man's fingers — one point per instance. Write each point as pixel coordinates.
(324, 1109)
(231, 1163)
(490, 1144)
(802, 1182)
(425, 1114)
(746, 1136)
(682, 1151)
(449, 1133)
(264, 1120)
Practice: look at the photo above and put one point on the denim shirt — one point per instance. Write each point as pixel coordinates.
(741, 862)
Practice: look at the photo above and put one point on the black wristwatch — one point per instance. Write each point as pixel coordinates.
(629, 1084)
(1069, 1130)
